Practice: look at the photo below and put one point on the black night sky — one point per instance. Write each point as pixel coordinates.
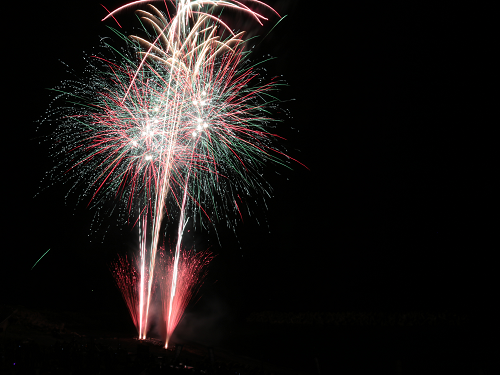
(393, 214)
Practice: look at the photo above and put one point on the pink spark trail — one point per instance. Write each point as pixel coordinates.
(191, 272)
(127, 280)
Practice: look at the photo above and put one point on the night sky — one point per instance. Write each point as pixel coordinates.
(394, 212)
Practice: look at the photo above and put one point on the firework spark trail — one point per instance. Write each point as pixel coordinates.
(180, 230)
(142, 241)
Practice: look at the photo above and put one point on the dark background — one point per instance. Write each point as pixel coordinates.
(395, 212)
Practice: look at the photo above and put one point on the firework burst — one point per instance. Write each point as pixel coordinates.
(179, 116)
(149, 113)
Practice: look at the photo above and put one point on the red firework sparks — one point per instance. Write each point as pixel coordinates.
(131, 282)
(127, 280)
(191, 271)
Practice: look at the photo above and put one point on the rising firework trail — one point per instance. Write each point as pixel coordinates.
(143, 276)
(175, 271)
